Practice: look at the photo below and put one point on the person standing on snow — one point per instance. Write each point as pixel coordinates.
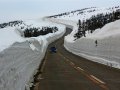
(96, 43)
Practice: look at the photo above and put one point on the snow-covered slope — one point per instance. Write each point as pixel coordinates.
(21, 59)
(85, 13)
(110, 30)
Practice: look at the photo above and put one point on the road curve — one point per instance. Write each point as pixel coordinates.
(66, 71)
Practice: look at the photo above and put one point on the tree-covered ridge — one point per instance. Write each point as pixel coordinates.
(96, 22)
(29, 30)
(10, 24)
(81, 11)
(34, 32)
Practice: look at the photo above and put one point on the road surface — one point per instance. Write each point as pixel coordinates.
(66, 71)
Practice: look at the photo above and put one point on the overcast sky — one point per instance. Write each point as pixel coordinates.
(26, 9)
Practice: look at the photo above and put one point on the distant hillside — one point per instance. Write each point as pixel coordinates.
(90, 19)
(84, 14)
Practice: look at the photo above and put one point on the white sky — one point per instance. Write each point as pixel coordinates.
(25, 9)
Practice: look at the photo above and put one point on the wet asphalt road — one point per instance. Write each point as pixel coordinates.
(66, 71)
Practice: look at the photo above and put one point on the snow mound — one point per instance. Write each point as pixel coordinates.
(107, 49)
(110, 30)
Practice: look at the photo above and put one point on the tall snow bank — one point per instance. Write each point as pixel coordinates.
(108, 48)
(19, 62)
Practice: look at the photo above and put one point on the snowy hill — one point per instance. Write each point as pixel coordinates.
(84, 14)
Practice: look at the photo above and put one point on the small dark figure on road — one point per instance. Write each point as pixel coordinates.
(53, 49)
(96, 43)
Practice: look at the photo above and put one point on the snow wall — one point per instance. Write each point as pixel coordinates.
(105, 52)
(20, 61)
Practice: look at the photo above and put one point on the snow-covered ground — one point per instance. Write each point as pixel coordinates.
(20, 57)
(107, 51)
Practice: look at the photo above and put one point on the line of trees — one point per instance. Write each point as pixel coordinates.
(96, 22)
(34, 32)
(68, 13)
(11, 24)
(28, 30)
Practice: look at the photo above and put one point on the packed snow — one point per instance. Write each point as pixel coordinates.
(20, 57)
